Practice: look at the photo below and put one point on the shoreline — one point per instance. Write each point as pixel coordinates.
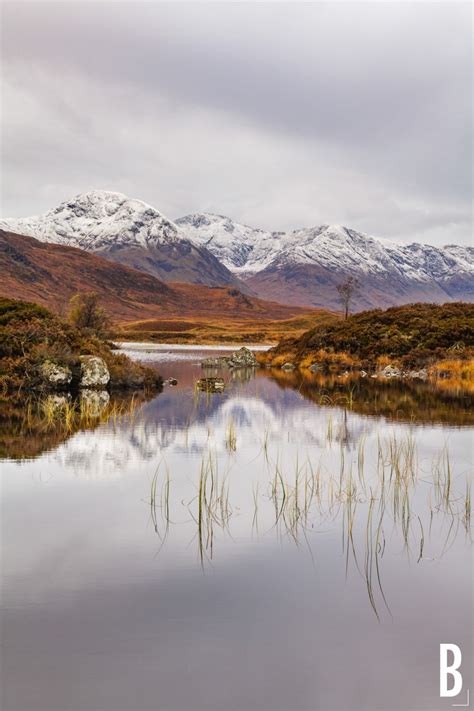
(146, 346)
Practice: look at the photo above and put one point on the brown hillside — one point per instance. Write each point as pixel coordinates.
(50, 274)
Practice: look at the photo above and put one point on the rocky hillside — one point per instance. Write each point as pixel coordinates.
(50, 274)
(306, 265)
(129, 232)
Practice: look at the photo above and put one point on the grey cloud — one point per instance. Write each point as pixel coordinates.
(281, 114)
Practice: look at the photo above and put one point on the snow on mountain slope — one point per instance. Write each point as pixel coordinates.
(93, 220)
(302, 267)
(129, 232)
(241, 248)
(247, 250)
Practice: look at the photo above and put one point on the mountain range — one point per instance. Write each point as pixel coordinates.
(302, 267)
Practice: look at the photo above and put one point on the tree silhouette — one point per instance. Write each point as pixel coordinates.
(346, 290)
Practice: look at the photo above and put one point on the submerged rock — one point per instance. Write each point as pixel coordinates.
(211, 385)
(94, 372)
(57, 376)
(171, 381)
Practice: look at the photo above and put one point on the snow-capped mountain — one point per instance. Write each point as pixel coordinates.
(305, 266)
(127, 231)
(302, 267)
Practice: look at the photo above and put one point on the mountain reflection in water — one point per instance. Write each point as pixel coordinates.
(262, 539)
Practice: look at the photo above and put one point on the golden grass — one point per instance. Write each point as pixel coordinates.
(216, 331)
(453, 374)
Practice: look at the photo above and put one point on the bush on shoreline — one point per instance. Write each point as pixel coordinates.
(31, 336)
(411, 336)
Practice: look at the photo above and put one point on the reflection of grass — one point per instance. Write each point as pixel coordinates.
(231, 437)
(83, 413)
(406, 400)
(312, 497)
(28, 428)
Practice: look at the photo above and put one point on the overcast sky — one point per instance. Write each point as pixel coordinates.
(280, 115)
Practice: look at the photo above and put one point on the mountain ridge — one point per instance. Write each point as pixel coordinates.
(302, 267)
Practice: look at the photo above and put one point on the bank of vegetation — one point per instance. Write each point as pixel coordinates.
(31, 337)
(438, 338)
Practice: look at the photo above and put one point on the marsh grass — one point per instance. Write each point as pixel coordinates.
(376, 497)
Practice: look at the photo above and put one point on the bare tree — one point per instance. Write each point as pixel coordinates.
(346, 290)
(87, 313)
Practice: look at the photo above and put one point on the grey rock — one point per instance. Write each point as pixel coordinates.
(391, 371)
(171, 381)
(288, 366)
(315, 368)
(243, 358)
(58, 376)
(363, 374)
(220, 362)
(94, 372)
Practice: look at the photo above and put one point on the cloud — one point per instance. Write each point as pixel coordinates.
(278, 114)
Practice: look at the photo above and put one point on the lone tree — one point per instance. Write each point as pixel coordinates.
(346, 290)
(86, 313)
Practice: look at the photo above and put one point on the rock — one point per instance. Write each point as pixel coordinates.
(363, 374)
(417, 374)
(288, 366)
(315, 367)
(94, 372)
(171, 381)
(220, 362)
(243, 358)
(391, 371)
(57, 376)
(94, 401)
(211, 385)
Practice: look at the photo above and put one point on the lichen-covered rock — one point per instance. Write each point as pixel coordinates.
(54, 375)
(243, 358)
(288, 366)
(219, 362)
(94, 372)
(211, 385)
(391, 371)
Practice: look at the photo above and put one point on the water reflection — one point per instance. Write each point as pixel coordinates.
(250, 549)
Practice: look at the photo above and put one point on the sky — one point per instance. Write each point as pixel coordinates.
(280, 115)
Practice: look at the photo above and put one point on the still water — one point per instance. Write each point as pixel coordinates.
(280, 546)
